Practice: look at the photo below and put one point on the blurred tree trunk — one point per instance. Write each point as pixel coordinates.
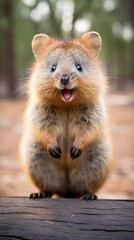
(121, 65)
(84, 5)
(9, 49)
(56, 28)
(129, 6)
(132, 54)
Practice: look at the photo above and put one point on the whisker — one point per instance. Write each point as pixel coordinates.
(23, 93)
(72, 74)
(72, 78)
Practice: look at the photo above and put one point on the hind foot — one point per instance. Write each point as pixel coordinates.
(40, 195)
(90, 197)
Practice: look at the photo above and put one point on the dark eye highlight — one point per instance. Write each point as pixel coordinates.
(53, 68)
(79, 67)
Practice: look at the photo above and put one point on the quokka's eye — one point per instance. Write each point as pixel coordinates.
(79, 67)
(53, 68)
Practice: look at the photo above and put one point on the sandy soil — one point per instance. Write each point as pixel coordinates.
(119, 184)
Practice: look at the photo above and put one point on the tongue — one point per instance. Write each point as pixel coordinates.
(67, 94)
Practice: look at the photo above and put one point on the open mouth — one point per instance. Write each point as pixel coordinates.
(67, 93)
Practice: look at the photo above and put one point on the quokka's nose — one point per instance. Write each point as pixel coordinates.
(65, 79)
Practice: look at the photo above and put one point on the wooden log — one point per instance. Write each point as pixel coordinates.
(63, 219)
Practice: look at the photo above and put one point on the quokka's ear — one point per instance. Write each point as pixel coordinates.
(39, 44)
(92, 41)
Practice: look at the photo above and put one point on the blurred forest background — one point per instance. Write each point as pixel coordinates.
(20, 20)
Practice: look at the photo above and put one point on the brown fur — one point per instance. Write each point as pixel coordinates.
(80, 123)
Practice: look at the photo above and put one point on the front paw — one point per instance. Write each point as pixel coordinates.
(55, 151)
(75, 152)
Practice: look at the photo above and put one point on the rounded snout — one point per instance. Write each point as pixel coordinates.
(65, 79)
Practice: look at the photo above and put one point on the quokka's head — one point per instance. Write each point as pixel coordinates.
(67, 71)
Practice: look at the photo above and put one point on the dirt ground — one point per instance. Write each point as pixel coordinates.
(120, 184)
